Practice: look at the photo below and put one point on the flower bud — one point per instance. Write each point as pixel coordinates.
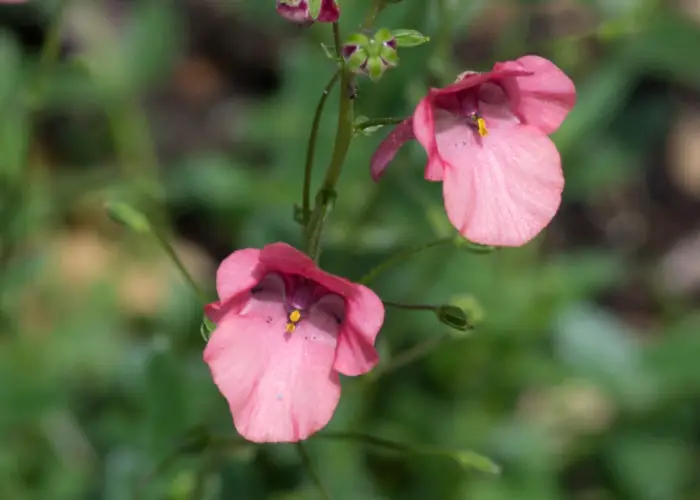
(410, 38)
(308, 11)
(371, 56)
(127, 216)
(454, 317)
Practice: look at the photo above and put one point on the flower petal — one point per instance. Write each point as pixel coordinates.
(239, 272)
(542, 99)
(388, 148)
(294, 13)
(356, 354)
(280, 387)
(330, 12)
(470, 79)
(502, 189)
(424, 130)
(286, 259)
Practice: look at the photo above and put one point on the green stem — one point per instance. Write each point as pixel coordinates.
(306, 459)
(377, 122)
(344, 132)
(440, 62)
(137, 156)
(51, 49)
(311, 148)
(412, 307)
(170, 251)
(410, 355)
(345, 122)
(20, 189)
(380, 442)
(374, 10)
(402, 256)
(467, 459)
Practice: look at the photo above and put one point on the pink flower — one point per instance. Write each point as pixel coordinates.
(486, 137)
(285, 330)
(297, 11)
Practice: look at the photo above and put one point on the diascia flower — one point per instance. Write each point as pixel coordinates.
(284, 331)
(297, 11)
(486, 137)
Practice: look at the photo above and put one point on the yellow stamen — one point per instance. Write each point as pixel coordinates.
(294, 318)
(481, 125)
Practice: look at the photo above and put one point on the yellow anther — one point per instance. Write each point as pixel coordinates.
(294, 316)
(291, 327)
(481, 125)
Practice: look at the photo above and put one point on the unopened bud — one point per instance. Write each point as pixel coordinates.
(125, 215)
(409, 38)
(454, 317)
(308, 11)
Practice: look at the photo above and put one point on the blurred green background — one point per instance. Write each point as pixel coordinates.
(582, 379)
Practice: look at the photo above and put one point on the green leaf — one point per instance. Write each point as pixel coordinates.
(151, 43)
(665, 47)
(14, 127)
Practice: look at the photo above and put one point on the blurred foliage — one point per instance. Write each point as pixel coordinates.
(581, 379)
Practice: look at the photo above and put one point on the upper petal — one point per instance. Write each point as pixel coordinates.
(285, 258)
(355, 353)
(471, 79)
(424, 131)
(502, 189)
(280, 387)
(240, 271)
(543, 98)
(389, 147)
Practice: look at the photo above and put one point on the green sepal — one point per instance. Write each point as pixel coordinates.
(375, 68)
(383, 35)
(389, 55)
(355, 62)
(314, 8)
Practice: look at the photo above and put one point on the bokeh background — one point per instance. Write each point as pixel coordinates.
(582, 378)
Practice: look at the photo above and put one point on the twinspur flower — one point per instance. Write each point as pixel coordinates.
(486, 137)
(284, 331)
(298, 11)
